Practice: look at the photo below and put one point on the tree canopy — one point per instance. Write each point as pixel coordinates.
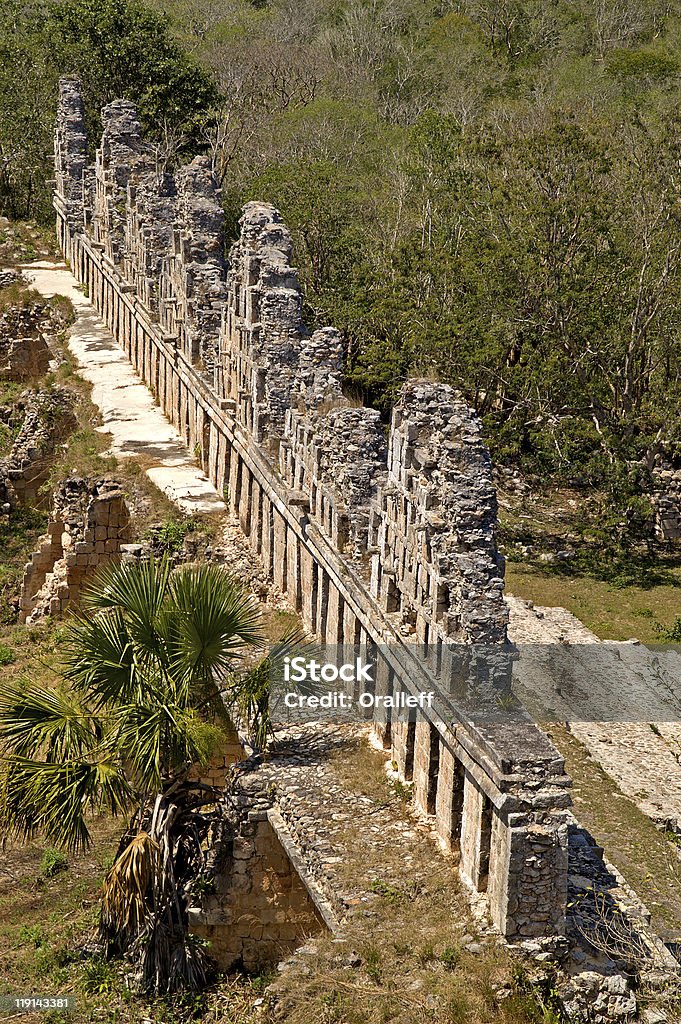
(119, 49)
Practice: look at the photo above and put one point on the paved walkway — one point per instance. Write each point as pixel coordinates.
(136, 424)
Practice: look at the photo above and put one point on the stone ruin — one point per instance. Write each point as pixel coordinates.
(374, 536)
(24, 351)
(372, 540)
(88, 525)
(667, 501)
(44, 418)
(27, 331)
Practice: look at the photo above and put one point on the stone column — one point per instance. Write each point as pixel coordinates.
(449, 797)
(528, 876)
(475, 835)
(70, 157)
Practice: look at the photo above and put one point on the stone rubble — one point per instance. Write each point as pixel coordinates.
(46, 419)
(27, 340)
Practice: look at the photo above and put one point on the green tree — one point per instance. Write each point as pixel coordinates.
(140, 702)
(123, 49)
(119, 49)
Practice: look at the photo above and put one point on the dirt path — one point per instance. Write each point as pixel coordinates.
(137, 426)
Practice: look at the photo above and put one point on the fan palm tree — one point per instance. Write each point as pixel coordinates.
(146, 663)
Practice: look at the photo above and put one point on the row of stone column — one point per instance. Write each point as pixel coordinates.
(512, 853)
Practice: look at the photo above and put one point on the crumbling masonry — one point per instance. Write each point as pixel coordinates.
(373, 541)
(88, 524)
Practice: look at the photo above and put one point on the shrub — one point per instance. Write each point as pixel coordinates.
(53, 862)
(7, 655)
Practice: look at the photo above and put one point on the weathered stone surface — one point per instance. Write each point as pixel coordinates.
(25, 335)
(435, 520)
(45, 418)
(88, 524)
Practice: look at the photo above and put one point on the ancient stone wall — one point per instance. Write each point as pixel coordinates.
(260, 910)
(24, 351)
(667, 501)
(374, 539)
(88, 524)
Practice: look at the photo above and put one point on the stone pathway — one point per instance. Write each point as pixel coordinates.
(349, 841)
(575, 672)
(136, 424)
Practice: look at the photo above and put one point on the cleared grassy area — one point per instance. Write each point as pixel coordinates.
(648, 858)
(21, 241)
(555, 556)
(612, 613)
(44, 921)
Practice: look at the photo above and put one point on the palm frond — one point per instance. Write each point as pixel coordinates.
(53, 799)
(51, 722)
(157, 740)
(251, 691)
(99, 657)
(215, 622)
(126, 888)
(139, 591)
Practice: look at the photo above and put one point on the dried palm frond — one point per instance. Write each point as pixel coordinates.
(126, 889)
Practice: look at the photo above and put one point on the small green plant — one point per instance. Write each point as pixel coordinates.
(33, 934)
(457, 1010)
(449, 957)
(669, 634)
(98, 977)
(7, 655)
(372, 964)
(170, 534)
(333, 1006)
(43, 960)
(53, 862)
(404, 790)
(388, 892)
(204, 886)
(541, 997)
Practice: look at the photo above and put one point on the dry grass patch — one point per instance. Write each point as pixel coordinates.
(612, 613)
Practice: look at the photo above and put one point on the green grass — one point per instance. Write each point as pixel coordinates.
(53, 862)
(46, 918)
(22, 241)
(618, 595)
(611, 612)
(19, 534)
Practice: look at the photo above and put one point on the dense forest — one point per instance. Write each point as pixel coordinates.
(483, 191)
